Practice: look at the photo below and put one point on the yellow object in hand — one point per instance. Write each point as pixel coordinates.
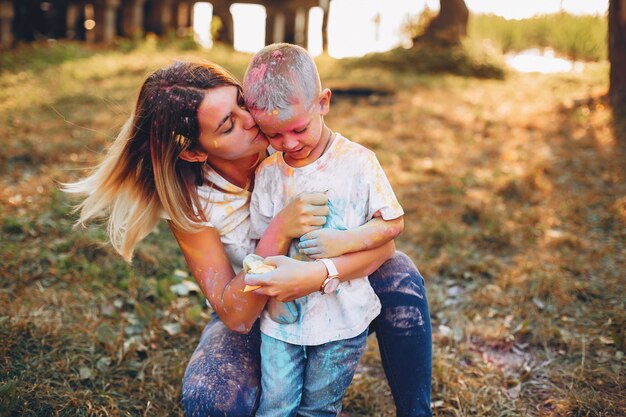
(253, 264)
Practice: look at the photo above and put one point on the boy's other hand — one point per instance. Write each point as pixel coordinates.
(324, 243)
(306, 212)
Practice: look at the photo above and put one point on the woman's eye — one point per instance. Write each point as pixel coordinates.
(230, 129)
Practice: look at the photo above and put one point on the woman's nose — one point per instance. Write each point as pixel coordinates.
(248, 120)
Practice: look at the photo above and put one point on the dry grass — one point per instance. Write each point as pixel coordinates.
(516, 210)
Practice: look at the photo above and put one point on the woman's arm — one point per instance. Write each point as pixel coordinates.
(294, 279)
(213, 272)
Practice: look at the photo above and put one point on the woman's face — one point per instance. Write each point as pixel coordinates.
(227, 131)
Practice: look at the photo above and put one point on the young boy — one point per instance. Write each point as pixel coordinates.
(307, 365)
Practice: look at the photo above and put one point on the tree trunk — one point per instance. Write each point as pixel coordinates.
(450, 25)
(617, 54)
(325, 5)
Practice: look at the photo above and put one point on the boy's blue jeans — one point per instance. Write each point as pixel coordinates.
(309, 381)
(223, 376)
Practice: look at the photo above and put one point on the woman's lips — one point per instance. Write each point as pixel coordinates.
(259, 137)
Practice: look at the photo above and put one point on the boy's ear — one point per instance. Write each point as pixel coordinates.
(194, 156)
(325, 101)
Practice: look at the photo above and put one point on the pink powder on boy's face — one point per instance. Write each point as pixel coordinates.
(296, 131)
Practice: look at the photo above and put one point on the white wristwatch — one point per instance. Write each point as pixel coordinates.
(330, 284)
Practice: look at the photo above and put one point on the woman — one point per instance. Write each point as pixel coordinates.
(188, 153)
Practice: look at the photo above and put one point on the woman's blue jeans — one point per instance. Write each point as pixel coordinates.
(223, 376)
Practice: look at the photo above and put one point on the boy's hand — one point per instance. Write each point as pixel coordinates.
(306, 212)
(324, 243)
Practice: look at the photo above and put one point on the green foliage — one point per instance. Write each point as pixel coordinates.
(578, 37)
(467, 59)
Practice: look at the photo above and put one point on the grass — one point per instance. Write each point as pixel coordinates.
(515, 203)
(578, 37)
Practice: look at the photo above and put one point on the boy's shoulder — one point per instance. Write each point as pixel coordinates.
(272, 161)
(349, 149)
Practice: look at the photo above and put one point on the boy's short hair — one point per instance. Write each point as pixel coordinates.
(276, 74)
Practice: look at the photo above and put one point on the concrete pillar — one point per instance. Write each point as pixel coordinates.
(7, 13)
(270, 25)
(105, 17)
(183, 14)
(184, 25)
(227, 33)
(132, 17)
(279, 27)
(302, 27)
(325, 5)
(72, 21)
(290, 26)
(161, 17)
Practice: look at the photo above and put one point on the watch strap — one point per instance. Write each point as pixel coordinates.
(332, 272)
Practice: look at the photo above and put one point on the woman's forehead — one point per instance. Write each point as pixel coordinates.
(218, 100)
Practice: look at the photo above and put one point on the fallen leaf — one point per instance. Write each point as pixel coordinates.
(172, 328)
(85, 372)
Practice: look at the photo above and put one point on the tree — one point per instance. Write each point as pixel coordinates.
(450, 25)
(617, 54)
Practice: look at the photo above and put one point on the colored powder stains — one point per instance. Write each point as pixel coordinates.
(283, 313)
(257, 74)
(285, 114)
(334, 220)
(256, 77)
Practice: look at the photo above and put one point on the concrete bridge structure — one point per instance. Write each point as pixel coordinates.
(100, 21)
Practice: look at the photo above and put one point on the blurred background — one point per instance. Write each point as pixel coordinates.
(500, 125)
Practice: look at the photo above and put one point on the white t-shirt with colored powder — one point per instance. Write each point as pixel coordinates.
(227, 209)
(357, 189)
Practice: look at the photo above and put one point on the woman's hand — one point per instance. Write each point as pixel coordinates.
(306, 212)
(290, 280)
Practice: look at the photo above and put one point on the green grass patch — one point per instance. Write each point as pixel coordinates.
(578, 37)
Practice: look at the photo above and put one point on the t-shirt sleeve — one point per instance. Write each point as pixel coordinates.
(261, 206)
(166, 216)
(382, 199)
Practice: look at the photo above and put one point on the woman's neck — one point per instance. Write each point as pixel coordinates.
(239, 172)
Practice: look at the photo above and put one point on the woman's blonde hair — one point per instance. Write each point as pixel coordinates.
(142, 177)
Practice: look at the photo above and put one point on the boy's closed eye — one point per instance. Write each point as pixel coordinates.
(297, 131)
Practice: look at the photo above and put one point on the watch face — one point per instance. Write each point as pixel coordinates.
(331, 286)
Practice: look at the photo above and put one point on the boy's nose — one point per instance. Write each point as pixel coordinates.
(289, 143)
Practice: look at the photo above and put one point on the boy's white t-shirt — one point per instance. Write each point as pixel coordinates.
(357, 189)
(226, 208)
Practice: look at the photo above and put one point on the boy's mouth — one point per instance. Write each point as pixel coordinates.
(295, 151)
